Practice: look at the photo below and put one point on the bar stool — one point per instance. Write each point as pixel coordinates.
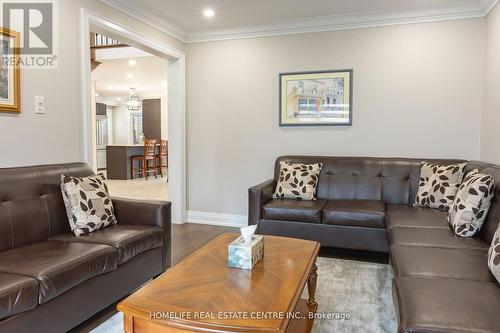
(144, 165)
(162, 157)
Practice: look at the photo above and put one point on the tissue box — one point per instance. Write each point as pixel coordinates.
(241, 255)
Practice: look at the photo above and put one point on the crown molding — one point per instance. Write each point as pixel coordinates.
(310, 25)
(488, 5)
(148, 18)
(333, 23)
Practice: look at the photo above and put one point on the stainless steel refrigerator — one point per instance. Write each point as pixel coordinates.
(102, 141)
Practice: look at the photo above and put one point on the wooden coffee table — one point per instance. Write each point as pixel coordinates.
(201, 294)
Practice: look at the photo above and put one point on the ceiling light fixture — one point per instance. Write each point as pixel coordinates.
(133, 101)
(129, 76)
(132, 62)
(208, 12)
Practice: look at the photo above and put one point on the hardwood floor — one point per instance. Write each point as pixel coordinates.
(186, 238)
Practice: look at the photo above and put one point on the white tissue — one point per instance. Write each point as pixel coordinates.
(248, 232)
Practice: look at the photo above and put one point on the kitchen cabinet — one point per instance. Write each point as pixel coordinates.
(151, 118)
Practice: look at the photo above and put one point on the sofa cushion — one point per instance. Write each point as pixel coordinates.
(447, 305)
(88, 204)
(433, 237)
(408, 216)
(439, 185)
(17, 294)
(129, 240)
(59, 266)
(434, 262)
(297, 181)
(471, 204)
(361, 213)
(294, 210)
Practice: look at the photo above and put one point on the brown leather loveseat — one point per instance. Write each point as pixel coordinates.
(50, 280)
(441, 281)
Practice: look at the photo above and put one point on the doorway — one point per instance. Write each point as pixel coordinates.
(175, 92)
(131, 108)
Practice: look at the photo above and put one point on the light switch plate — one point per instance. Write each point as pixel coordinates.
(40, 104)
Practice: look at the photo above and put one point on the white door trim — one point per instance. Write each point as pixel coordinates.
(176, 101)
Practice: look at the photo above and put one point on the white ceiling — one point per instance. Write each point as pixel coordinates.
(115, 77)
(250, 18)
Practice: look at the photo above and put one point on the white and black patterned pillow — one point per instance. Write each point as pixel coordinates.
(494, 255)
(438, 185)
(297, 181)
(87, 202)
(471, 204)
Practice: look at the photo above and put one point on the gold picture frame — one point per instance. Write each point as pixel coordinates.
(319, 98)
(10, 81)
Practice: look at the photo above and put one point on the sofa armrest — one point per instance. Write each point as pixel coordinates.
(154, 213)
(258, 196)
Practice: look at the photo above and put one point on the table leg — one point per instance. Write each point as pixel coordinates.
(311, 285)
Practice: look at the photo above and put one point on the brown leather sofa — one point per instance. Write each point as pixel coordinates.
(441, 281)
(50, 280)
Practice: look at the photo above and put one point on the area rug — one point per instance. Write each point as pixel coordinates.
(356, 296)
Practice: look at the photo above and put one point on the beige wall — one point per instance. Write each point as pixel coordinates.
(57, 136)
(417, 92)
(490, 133)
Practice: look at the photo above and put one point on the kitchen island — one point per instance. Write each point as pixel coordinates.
(118, 160)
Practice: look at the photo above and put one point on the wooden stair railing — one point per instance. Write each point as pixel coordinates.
(93, 63)
(98, 41)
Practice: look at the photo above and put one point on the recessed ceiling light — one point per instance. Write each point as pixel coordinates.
(110, 87)
(132, 62)
(208, 12)
(119, 99)
(96, 94)
(129, 76)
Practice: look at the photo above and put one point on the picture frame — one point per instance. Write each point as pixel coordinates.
(10, 84)
(316, 98)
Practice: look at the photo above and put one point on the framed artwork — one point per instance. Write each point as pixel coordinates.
(9, 71)
(322, 98)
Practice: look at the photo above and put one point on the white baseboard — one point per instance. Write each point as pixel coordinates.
(219, 219)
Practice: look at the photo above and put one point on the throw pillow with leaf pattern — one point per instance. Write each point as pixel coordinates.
(494, 255)
(87, 202)
(438, 185)
(472, 203)
(297, 181)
